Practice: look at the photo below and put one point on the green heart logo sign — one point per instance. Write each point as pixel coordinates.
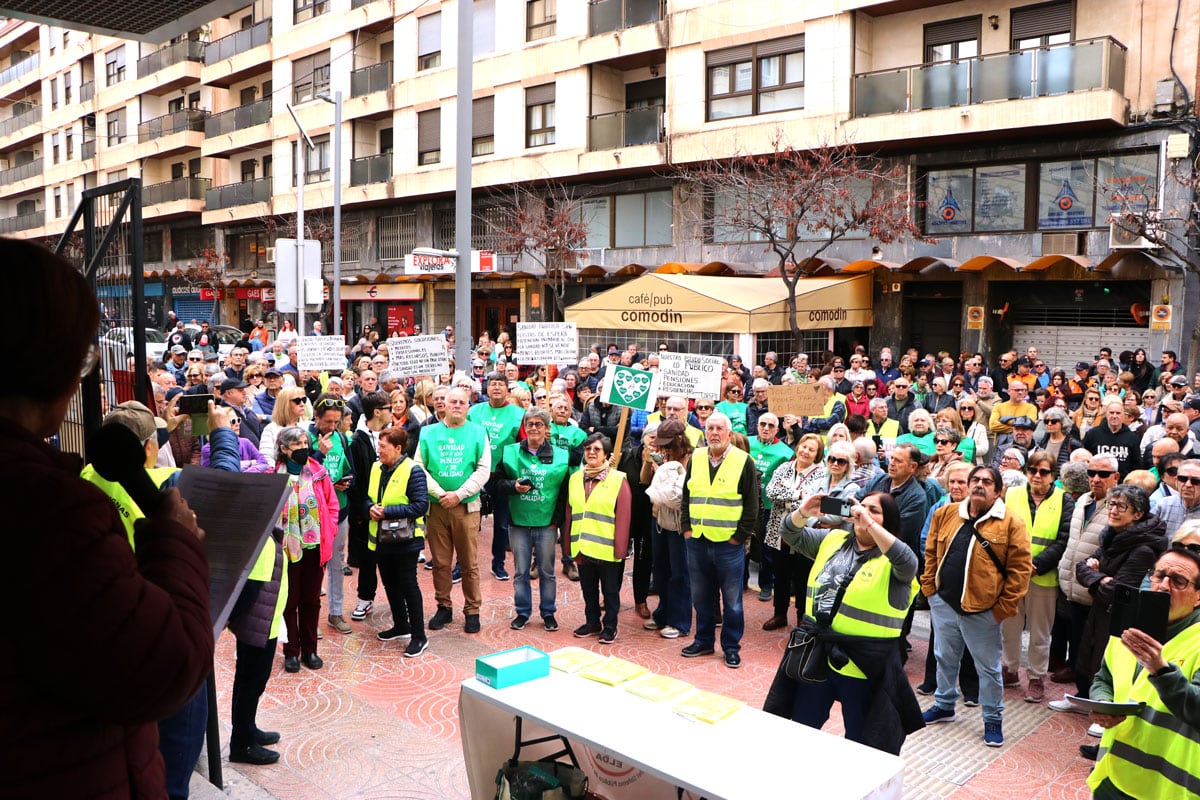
(630, 387)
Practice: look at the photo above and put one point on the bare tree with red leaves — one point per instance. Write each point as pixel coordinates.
(799, 203)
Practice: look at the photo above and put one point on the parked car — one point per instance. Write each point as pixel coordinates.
(116, 345)
(227, 336)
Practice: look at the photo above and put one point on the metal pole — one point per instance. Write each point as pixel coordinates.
(337, 213)
(462, 188)
(299, 158)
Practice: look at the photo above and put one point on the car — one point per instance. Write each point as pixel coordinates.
(117, 345)
(227, 336)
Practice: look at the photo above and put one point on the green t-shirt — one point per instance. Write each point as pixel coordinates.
(502, 425)
(450, 455)
(736, 413)
(535, 508)
(768, 458)
(336, 461)
(567, 437)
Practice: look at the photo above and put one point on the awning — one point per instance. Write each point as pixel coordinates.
(657, 301)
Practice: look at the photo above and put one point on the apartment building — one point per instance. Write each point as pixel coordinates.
(1000, 115)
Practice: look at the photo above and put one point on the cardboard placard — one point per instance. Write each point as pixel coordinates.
(321, 353)
(547, 343)
(630, 387)
(800, 399)
(419, 355)
(686, 375)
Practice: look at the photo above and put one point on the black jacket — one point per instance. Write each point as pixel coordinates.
(894, 711)
(1124, 445)
(900, 413)
(1069, 445)
(1126, 557)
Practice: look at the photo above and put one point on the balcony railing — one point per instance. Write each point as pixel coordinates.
(87, 149)
(615, 15)
(625, 128)
(178, 189)
(186, 119)
(27, 170)
(240, 42)
(370, 169)
(238, 194)
(374, 78)
(1035, 72)
(15, 123)
(237, 119)
(186, 50)
(360, 3)
(23, 222)
(87, 91)
(19, 69)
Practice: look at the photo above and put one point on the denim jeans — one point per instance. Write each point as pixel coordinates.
(180, 740)
(500, 522)
(672, 579)
(333, 570)
(523, 541)
(713, 567)
(978, 633)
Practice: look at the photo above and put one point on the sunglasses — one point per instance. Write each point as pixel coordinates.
(1042, 471)
(1050, 421)
(1108, 473)
(1172, 472)
(956, 385)
(704, 408)
(1194, 480)
(839, 462)
(195, 359)
(330, 402)
(299, 400)
(942, 441)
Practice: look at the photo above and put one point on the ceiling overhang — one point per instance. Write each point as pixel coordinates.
(151, 21)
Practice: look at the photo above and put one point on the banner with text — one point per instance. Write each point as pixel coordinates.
(800, 399)
(418, 355)
(547, 343)
(321, 353)
(630, 387)
(686, 375)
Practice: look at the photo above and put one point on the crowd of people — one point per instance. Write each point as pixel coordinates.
(1013, 502)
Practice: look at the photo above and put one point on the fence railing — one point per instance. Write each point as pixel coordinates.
(238, 194)
(239, 42)
(374, 78)
(178, 189)
(186, 50)
(19, 69)
(27, 170)
(237, 119)
(15, 123)
(23, 222)
(605, 16)
(186, 119)
(370, 169)
(625, 128)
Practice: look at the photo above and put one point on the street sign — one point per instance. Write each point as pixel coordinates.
(287, 293)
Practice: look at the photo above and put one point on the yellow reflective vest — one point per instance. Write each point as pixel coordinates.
(715, 505)
(1043, 528)
(1153, 754)
(394, 494)
(866, 608)
(594, 516)
(126, 508)
(264, 570)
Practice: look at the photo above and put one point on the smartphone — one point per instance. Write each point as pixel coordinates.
(657, 458)
(835, 506)
(1145, 610)
(194, 403)
(525, 482)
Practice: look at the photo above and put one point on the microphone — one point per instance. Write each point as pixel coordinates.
(118, 456)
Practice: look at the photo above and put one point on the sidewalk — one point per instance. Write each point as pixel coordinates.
(372, 724)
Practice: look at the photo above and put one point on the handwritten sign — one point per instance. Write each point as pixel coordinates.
(321, 353)
(800, 399)
(547, 343)
(418, 355)
(689, 376)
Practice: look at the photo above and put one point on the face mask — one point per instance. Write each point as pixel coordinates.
(297, 459)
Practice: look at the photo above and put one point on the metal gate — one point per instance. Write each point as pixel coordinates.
(104, 239)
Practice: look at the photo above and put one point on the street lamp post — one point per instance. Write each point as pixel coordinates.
(303, 142)
(462, 187)
(337, 209)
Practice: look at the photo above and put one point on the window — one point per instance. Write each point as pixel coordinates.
(25, 207)
(486, 224)
(429, 136)
(66, 88)
(443, 228)
(190, 242)
(152, 247)
(429, 41)
(484, 24)
(539, 115)
(541, 19)
(194, 167)
(756, 79)
(310, 76)
(54, 148)
(70, 142)
(951, 40)
(640, 219)
(114, 66)
(247, 95)
(1041, 25)
(174, 104)
(483, 126)
(115, 126)
(54, 93)
(397, 236)
(248, 167)
(58, 206)
(316, 160)
(352, 242)
(177, 170)
(305, 10)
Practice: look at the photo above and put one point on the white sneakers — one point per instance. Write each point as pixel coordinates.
(361, 609)
(1066, 705)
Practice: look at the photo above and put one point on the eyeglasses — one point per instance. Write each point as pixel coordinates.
(599, 450)
(956, 385)
(839, 369)
(1042, 471)
(534, 423)
(1194, 480)
(1052, 421)
(662, 349)
(767, 425)
(1007, 457)
(1170, 471)
(299, 400)
(1118, 506)
(1105, 473)
(837, 462)
(195, 358)
(704, 408)
(1178, 582)
(982, 481)
(899, 385)
(942, 441)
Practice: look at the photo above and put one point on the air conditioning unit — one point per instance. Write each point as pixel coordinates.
(89, 121)
(270, 255)
(1133, 232)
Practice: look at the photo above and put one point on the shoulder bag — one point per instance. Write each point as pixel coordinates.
(393, 531)
(806, 657)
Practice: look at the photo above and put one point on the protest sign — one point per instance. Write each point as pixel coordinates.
(321, 353)
(418, 355)
(692, 376)
(547, 343)
(630, 387)
(800, 399)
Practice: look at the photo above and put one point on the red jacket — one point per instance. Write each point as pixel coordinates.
(128, 640)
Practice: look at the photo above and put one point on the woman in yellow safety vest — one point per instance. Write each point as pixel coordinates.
(397, 491)
(597, 526)
(859, 591)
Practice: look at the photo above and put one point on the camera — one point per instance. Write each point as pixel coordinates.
(835, 507)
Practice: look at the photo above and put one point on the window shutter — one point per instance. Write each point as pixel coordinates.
(429, 34)
(952, 30)
(775, 47)
(537, 95)
(429, 130)
(731, 55)
(483, 117)
(1041, 20)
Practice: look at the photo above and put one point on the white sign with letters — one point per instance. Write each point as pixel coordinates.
(321, 353)
(418, 355)
(547, 343)
(686, 375)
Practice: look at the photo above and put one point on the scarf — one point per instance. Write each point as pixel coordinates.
(300, 519)
(595, 473)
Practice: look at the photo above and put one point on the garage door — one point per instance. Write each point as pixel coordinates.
(1062, 347)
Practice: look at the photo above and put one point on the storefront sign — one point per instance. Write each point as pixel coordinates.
(414, 264)
(630, 387)
(1160, 318)
(800, 399)
(547, 343)
(418, 355)
(382, 291)
(685, 375)
(320, 353)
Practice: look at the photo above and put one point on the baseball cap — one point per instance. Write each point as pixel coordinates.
(1082, 365)
(1179, 380)
(232, 383)
(1193, 404)
(212, 357)
(1023, 422)
(613, 351)
(1024, 362)
(178, 350)
(134, 416)
(272, 372)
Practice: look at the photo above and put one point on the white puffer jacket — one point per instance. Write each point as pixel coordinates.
(666, 493)
(1084, 541)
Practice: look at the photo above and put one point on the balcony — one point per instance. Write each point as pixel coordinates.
(360, 3)
(237, 119)
(23, 222)
(87, 149)
(370, 169)
(229, 46)
(606, 16)
(19, 69)
(178, 189)
(238, 194)
(18, 121)
(1015, 75)
(187, 50)
(625, 128)
(186, 119)
(27, 170)
(87, 91)
(374, 78)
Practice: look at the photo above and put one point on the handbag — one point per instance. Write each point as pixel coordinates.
(393, 531)
(806, 658)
